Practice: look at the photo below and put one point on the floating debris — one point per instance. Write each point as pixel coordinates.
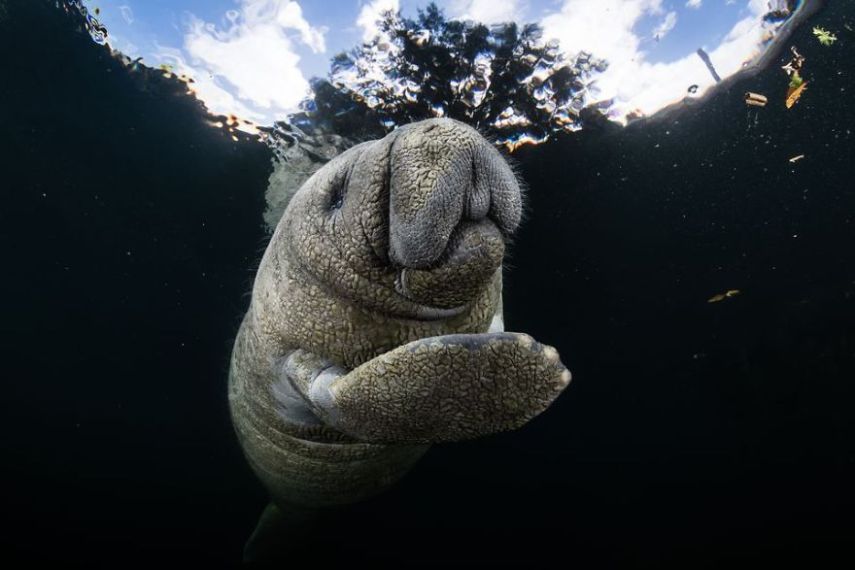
(722, 296)
(693, 88)
(708, 62)
(825, 37)
(796, 80)
(797, 158)
(755, 99)
(797, 84)
(796, 62)
(793, 94)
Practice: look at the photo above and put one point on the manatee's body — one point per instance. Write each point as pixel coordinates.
(367, 335)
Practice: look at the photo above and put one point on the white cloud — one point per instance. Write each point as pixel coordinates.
(694, 4)
(666, 25)
(249, 67)
(603, 27)
(656, 85)
(606, 29)
(218, 100)
(371, 13)
(760, 7)
(127, 14)
(486, 11)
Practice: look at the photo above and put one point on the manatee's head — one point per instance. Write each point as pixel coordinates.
(414, 224)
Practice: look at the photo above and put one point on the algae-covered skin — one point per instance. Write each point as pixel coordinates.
(375, 326)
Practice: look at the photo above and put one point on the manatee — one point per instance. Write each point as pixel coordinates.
(375, 325)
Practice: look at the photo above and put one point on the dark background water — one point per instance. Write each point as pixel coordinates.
(693, 433)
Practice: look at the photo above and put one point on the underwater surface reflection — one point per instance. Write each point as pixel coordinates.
(697, 280)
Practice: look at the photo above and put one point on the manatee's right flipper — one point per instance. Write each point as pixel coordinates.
(443, 388)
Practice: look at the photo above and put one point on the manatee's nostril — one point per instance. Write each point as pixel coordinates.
(478, 193)
(473, 188)
(337, 198)
(339, 191)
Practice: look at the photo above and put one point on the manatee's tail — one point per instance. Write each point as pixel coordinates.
(283, 534)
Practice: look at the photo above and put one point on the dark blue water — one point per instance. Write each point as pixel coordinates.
(694, 433)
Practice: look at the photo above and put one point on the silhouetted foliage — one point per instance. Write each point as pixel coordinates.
(82, 18)
(505, 80)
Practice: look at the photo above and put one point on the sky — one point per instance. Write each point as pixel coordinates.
(253, 58)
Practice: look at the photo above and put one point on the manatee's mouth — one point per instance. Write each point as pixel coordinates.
(425, 312)
(445, 288)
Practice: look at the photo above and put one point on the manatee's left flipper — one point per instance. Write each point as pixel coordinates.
(444, 388)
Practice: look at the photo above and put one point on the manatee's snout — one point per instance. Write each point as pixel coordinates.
(443, 173)
(453, 202)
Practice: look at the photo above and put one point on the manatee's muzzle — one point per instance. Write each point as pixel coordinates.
(475, 250)
(452, 201)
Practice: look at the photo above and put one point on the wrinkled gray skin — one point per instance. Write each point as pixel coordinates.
(367, 335)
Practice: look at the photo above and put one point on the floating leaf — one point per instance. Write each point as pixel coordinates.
(796, 80)
(722, 296)
(793, 94)
(825, 37)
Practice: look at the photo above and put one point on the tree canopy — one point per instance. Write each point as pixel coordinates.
(505, 80)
